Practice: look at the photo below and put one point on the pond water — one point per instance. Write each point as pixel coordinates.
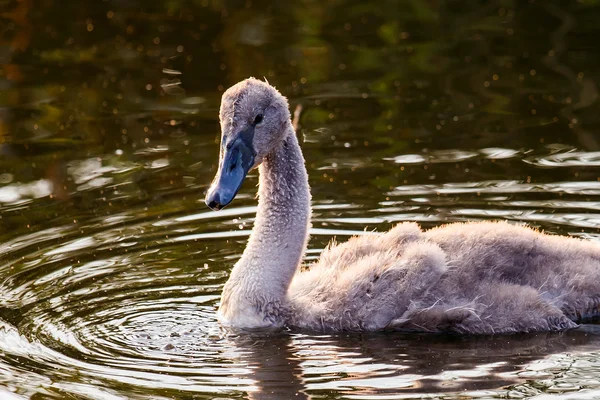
(111, 266)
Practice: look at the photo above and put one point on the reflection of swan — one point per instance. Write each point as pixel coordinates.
(275, 367)
(286, 366)
(466, 278)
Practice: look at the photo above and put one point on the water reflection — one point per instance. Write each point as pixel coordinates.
(568, 159)
(111, 267)
(118, 312)
(384, 366)
(274, 366)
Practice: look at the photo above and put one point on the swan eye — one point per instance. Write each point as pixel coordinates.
(258, 119)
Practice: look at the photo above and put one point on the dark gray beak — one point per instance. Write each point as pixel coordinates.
(236, 161)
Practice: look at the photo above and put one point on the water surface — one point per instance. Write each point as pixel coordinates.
(111, 266)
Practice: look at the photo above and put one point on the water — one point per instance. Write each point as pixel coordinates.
(111, 266)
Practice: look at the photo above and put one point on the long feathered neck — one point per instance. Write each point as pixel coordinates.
(255, 294)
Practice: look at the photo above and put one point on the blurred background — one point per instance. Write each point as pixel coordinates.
(433, 111)
(107, 94)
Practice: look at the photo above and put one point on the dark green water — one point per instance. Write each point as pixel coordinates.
(434, 111)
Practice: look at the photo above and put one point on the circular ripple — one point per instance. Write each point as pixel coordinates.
(128, 302)
(121, 306)
(129, 306)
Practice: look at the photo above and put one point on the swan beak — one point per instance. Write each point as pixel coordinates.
(235, 164)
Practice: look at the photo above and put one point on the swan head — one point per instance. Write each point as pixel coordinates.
(253, 116)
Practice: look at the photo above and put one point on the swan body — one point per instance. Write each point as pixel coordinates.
(472, 278)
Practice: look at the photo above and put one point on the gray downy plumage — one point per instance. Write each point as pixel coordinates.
(471, 278)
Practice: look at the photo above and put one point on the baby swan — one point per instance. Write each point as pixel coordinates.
(472, 278)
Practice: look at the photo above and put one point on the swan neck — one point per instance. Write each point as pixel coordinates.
(259, 281)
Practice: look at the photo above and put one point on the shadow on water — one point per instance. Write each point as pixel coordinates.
(381, 365)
